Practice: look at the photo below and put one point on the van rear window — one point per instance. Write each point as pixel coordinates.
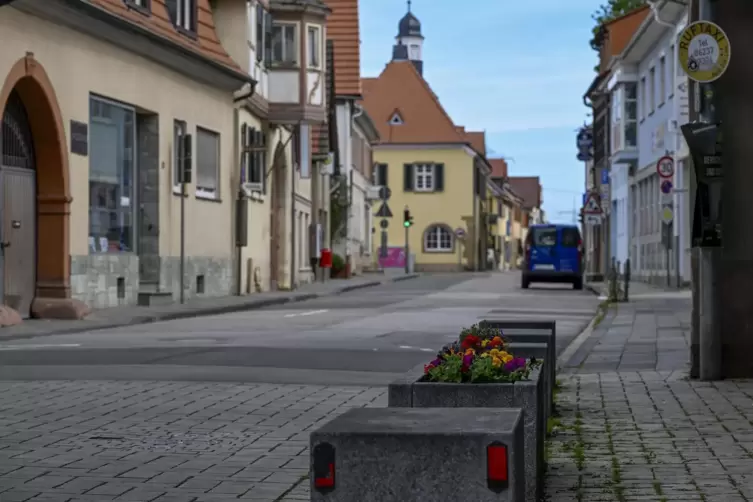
(570, 237)
(543, 237)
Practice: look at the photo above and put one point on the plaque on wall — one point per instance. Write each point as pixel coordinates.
(79, 138)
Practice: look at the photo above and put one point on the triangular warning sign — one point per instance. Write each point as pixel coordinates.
(384, 211)
(592, 205)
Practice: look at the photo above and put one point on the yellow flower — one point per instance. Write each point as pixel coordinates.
(506, 357)
(494, 352)
(485, 354)
(496, 362)
(485, 343)
(469, 352)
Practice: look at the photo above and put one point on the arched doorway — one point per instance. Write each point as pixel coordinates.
(34, 162)
(18, 219)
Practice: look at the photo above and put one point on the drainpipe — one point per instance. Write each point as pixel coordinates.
(656, 6)
(292, 218)
(234, 215)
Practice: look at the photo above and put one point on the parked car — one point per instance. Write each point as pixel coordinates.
(553, 253)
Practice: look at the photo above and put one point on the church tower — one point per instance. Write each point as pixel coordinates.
(409, 41)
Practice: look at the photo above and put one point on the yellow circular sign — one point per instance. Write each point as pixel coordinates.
(704, 51)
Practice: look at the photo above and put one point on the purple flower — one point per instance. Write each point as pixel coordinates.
(515, 364)
(437, 362)
(467, 360)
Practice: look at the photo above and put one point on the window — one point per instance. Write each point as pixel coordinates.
(570, 237)
(253, 158)
(652, 90)
(284, 44)
(617, 132)
(142, 5)
(662, 79)
(207, 163)
(631, 115)
(179, 130)
(259, 27)
(644, 98)
(438, 238)
(314, 47)
(183, 14)
(112, 205)
(543, 236)
(415, 52)
(423, 177)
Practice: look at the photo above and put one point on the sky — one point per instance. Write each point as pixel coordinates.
(515, 69)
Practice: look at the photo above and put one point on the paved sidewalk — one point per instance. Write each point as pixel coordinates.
(131, 315)
(632, 427)
(163, 442)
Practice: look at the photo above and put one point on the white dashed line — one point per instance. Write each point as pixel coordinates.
(311, 312)
(40, 346)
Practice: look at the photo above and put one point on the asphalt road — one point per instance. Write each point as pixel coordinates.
(365, 337)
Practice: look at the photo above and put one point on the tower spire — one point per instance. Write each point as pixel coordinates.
(409, 2)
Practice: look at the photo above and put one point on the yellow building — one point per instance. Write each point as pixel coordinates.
(431, 168)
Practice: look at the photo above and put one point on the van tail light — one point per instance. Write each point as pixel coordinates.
(497, 467)
(324, 467)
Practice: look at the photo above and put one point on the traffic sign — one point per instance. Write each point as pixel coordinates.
(384, 211)
(592, 205)
(666, 187)
(704, 51)
(665, 166)
(384, 224)
(667, 215)
(584, 156)
(385, 193)
(459, 233)
(592, 219)
(604, 176)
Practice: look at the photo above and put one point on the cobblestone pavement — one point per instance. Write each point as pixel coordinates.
(632, 427)
(161, 441)
(652, 436)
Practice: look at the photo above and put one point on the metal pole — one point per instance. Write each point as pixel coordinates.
(710, 336)
(695, 252)
(667, 256)
(313, 231)
(182, 238)
(407, 249)
(460, 256)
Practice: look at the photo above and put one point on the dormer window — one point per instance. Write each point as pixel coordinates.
(314, 46)
(183, 14)
(284, 43)
(139, 5)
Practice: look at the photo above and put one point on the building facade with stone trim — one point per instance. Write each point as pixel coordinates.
(95, 98)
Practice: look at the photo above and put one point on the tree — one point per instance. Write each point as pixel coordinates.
(609, 11)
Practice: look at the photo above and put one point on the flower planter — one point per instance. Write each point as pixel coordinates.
(541, 352)
(411, 391)
(530, 332)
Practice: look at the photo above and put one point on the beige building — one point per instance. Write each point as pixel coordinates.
(105, 105)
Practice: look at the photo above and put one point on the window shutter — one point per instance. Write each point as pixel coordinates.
(172, 10)
(267, 39)
(439, 177)
(383, 174)
(408, 178)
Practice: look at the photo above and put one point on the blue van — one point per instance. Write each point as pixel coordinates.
(553, 253)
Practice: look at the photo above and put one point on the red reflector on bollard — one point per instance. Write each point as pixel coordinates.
(328, 481)
(324, 467)
(496, 467)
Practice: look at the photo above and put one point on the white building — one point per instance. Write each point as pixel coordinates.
(649, 103)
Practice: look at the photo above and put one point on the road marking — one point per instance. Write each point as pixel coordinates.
(311, 312)
(40, 346)
(408, 347)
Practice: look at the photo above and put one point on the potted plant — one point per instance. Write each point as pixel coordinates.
(480, 371)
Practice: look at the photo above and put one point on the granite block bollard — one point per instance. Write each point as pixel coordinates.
(409, 391)
(419, 455)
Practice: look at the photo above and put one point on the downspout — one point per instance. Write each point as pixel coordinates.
(655, 5)
(292, 216)
(234, 215)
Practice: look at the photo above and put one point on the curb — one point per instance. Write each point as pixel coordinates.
(204, 312)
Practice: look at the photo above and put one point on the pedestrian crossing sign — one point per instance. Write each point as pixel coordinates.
(592, 205)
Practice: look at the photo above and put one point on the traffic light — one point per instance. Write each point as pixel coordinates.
(580, 216)
(407, 218)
